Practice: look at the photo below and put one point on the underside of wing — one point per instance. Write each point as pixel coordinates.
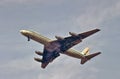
(44, 65)
(45, 58)
(88, 33)
(48, 56)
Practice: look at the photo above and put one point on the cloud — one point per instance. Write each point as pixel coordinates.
(96, 15)
(26, 2)
(59, 69)
(15, 65)
(68, 68)
(19, 68)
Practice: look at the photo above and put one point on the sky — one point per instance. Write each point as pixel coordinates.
(58, 17)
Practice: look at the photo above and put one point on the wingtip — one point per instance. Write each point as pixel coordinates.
(98, 29)
(99, 52)
(44, 65)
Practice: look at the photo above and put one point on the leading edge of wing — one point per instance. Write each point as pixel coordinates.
(88, 33)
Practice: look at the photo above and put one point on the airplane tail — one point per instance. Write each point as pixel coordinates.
(88, 56)
(85, 51)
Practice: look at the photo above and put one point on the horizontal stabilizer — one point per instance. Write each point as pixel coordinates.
(92, 55)
(88, 57)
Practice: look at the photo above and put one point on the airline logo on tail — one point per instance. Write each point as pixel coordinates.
(87, 56)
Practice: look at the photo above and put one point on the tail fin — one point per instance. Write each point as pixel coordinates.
(88, 57)
(85, 51)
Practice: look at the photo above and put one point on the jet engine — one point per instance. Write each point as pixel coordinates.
(73, 34)
(38, 52)
(59, 38)
(38, 59)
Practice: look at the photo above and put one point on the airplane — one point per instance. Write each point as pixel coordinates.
(53, 48)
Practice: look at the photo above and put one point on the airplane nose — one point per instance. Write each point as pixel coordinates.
(25, 32)
(22, 31)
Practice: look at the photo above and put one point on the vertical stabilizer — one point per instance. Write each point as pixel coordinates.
(85, 51)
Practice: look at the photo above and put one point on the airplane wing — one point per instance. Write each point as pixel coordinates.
(44, 65)
(88, 33)
(74, 39)
(48, 56)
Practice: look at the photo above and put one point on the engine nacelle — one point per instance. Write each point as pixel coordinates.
(38, 52)
(73, 34)
(59, 38)
(38, 59)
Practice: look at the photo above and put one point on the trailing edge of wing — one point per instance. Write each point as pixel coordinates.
(88, 33)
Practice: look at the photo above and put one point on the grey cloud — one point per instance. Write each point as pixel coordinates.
(96, 15)
(30, 2)
(69, 69)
